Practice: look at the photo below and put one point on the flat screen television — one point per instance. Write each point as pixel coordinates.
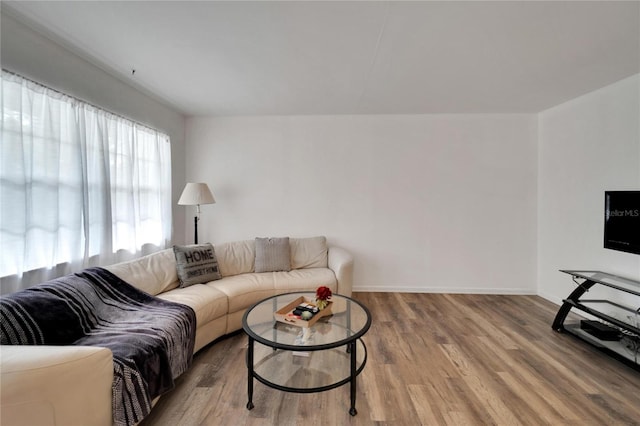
(622, 221)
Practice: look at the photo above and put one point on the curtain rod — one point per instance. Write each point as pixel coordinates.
(4, 70)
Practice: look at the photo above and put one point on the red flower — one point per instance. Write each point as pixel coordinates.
(323, 293)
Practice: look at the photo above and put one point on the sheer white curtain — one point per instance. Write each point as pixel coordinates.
(79, 186)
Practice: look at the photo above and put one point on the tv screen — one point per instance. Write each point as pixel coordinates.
(622, 221)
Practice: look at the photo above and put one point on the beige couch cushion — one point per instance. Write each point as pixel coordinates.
(236, 258)
(207, 302)
(246, 289)
(308, 279)
(56, 385)
(154, 273)
(308, 252)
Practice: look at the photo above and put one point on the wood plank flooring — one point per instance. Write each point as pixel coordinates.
(433, 359)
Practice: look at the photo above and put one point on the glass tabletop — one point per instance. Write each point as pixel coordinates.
(620, 283)
(349, 320)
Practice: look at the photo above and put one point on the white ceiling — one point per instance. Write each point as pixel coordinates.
(395, 57)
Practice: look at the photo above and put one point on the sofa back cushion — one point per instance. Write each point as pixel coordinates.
(308, 252)
(239, 257)
(154, 273)
(236, 257)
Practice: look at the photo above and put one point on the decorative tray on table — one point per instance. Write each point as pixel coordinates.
(287, 316)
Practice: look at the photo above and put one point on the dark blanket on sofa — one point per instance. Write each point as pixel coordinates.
(151, 339)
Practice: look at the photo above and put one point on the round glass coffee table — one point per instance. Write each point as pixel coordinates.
(291, 358)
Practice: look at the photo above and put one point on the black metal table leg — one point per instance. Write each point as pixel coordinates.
(558, 322)
(352, 347)
(348, 329)
(250, 374)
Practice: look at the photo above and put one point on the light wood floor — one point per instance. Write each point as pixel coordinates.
(434, 359)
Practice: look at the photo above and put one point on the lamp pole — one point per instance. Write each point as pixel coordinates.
(196, 218)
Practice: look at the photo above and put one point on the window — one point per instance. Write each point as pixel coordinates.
(79, 186)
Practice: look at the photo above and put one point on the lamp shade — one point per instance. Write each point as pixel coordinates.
(196, 194)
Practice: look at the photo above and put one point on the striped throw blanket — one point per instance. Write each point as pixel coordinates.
(151, 339)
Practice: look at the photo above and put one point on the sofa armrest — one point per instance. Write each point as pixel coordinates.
(340, 262)
(55, 385)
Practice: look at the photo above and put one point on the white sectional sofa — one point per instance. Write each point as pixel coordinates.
(71, 385)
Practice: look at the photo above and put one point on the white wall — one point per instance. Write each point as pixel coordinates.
(425, 203)
(31, 55)
(586, 146)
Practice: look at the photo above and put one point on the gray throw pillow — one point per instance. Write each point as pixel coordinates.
(273, 254)
(196, 264)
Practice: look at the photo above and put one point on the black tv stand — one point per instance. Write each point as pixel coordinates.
(618, 315)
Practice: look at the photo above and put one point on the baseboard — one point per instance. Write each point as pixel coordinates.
(550, 298)
(451, 290)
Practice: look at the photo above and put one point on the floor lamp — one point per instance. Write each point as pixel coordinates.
(195, 194)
